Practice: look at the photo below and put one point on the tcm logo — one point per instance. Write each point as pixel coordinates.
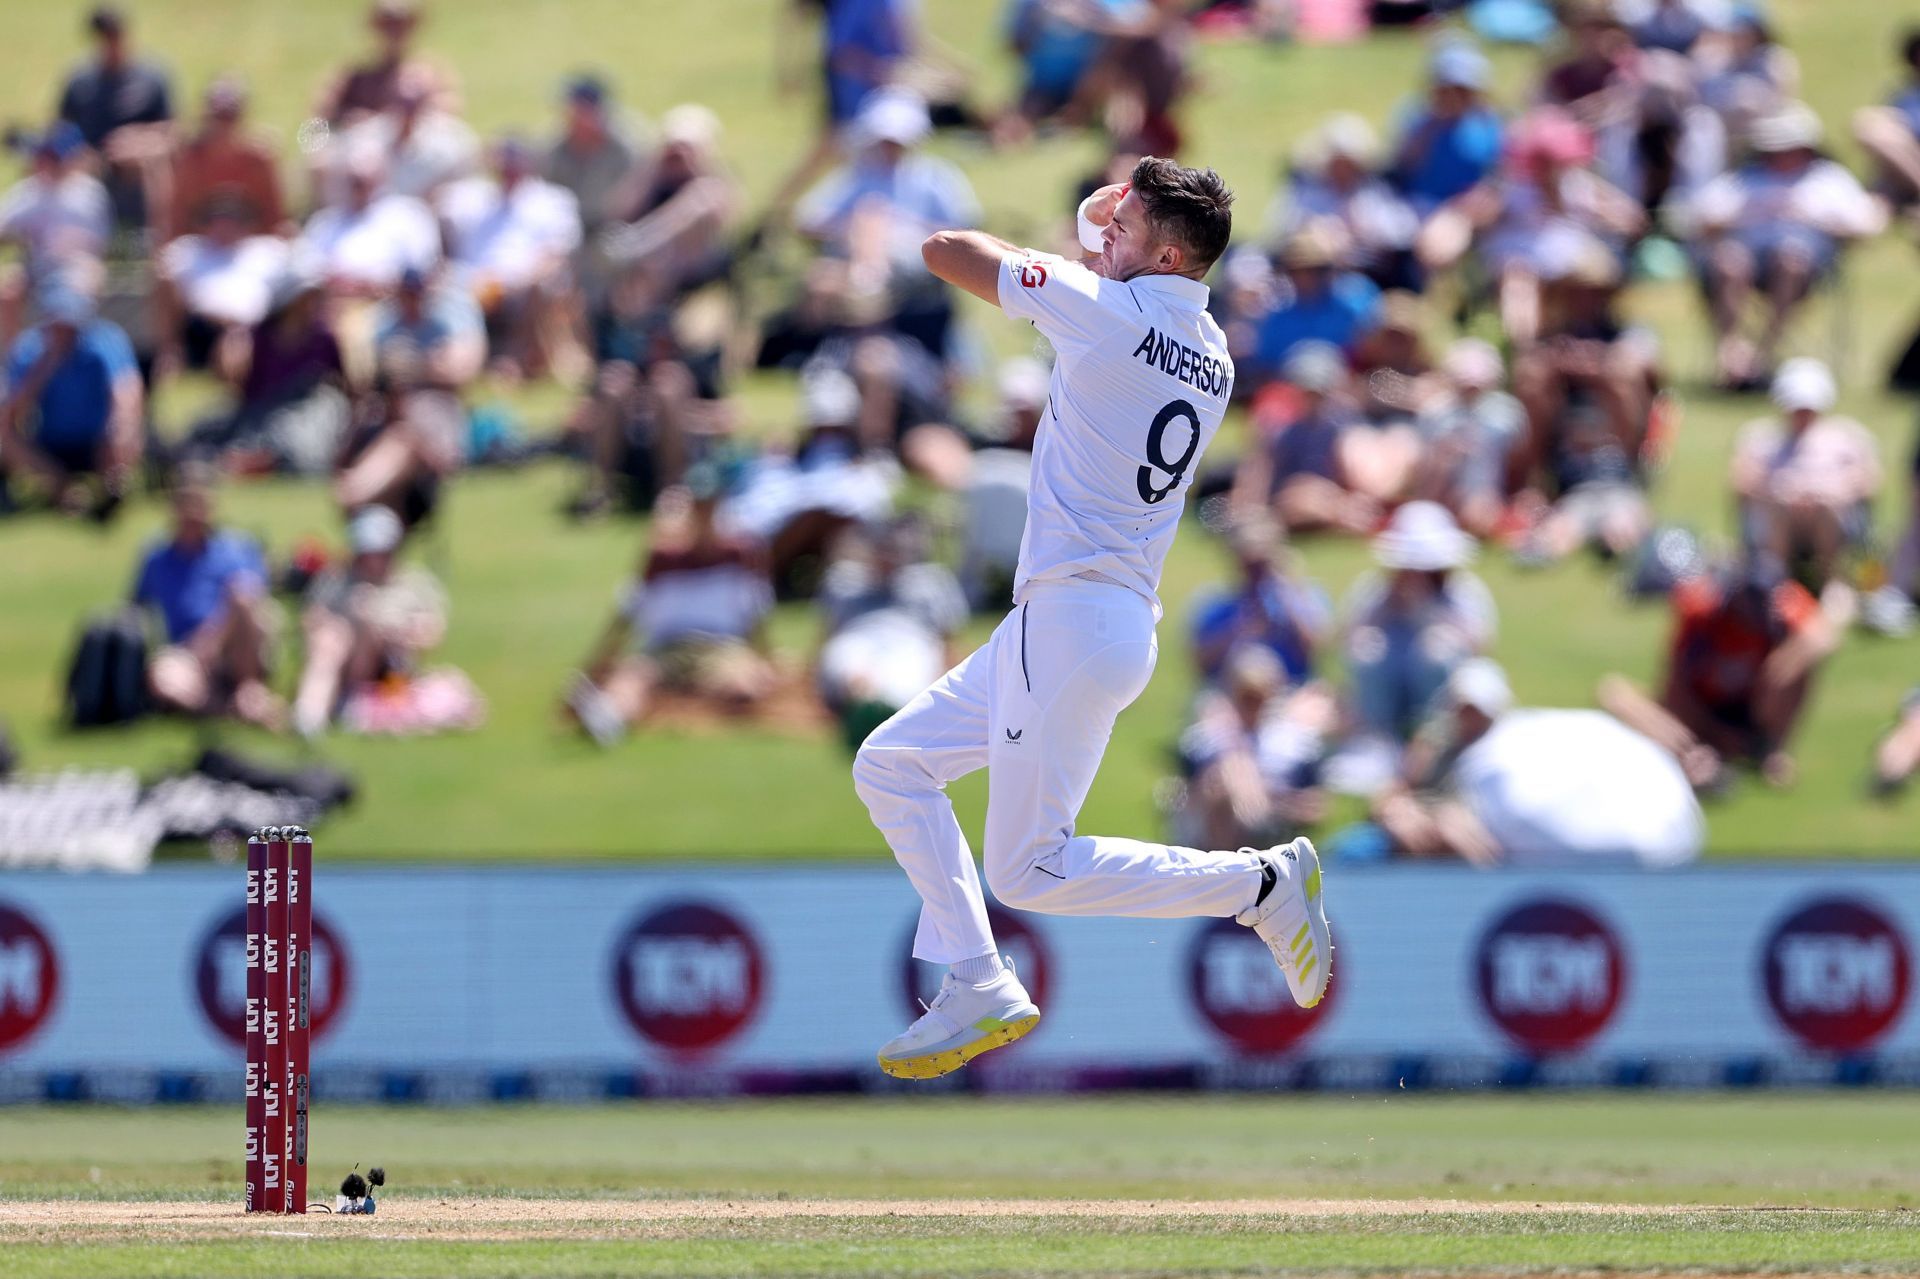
(1836, 973)
(29, 977)
(220, 976)
(688, 977)
(1016, 938)
(1033, 274)
(1550, 974)
(1239, 989)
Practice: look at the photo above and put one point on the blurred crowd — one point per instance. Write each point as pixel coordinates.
(356, 310)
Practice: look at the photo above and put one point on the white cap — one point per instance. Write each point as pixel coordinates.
(830, 398)
(1349, 135)
(893, 115)
(690, 124)
(1480, 683)
(374, 530)
(1423, 537)
(1792, 127)
(1803, 384)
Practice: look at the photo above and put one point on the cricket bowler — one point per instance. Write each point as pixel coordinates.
(1141, 380)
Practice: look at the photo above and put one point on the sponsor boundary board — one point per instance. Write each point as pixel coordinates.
(455, 986)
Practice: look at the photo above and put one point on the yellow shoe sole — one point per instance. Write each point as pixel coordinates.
(934, 1065)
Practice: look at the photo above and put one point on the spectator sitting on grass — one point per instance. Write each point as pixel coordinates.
(1493, 785)
(370, 87)
(1391, 366)
(364, 239)
(652, 405)
(409, 441)
(593, 156)
(877, 210)
(422, 146)
(1250, 756)
(365, 622)
(1338, 182)
(438, 322)
(1271, 606)
(1058, 45)
(889, 615)
(1774, 226)
(124, 109)
(1587, 355)
(1897, 757)
(1532, 223)
(1451, 140)
(74, 406)
(209, 588)
(1469, 437)
(1805, 481)
(511, 240)
(224, 162)
(698, 605)
(1406, 631)
(57, 215)
(1745, 647)
(674, 211)
(1317, 302)
(798, 502)
(1891, 133)
(212, 287)
(1314, 468)
(293, 395)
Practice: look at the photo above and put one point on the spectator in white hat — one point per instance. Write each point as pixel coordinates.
(1492, 785)
(674, 211)
(1337, 180)
(877, 210)
(364, 621)
(1805, 479)
(1774, 226)
(1408, 627)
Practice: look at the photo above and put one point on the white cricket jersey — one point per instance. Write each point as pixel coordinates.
(1140, 382)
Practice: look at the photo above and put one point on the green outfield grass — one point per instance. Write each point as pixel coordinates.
(528, 589)
(1133, 1185)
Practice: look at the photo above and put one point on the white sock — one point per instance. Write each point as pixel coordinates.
(979, 970)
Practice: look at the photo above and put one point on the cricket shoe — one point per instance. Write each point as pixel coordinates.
(962, 1022)
(1292, 920)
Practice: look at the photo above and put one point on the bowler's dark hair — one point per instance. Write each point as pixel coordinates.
(1191, 207)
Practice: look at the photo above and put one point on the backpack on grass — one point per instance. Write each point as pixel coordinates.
(107, 682)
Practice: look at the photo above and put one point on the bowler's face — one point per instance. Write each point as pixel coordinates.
(1128, 247)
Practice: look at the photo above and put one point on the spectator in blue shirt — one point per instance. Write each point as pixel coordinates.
(864, 42)
(1057, 45)
(209, 588)
(441, 324)
(1891, 133)
(74, 403)
(1318, 303)
(1452, 140)
(1270, 606)
(876, 211)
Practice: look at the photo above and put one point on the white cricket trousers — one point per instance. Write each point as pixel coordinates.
(1035, 706)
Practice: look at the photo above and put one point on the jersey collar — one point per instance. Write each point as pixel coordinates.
(1175, 290)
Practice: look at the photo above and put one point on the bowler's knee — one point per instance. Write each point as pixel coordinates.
(1019, 878)
(874, 777)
